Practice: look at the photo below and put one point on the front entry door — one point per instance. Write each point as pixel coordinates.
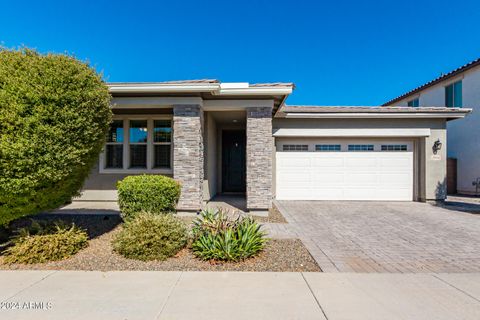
(233, 160)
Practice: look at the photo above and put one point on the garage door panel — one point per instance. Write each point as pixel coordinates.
(327, 179)
(294, 162)
(395, 180)
(294, 177)
(361, 179)
(344, 176)
(362, 161)
(325, 161)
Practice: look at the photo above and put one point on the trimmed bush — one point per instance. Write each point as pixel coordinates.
(151, 237)
(147, 193)
(54, 116)
(39, 244)
(217, 236)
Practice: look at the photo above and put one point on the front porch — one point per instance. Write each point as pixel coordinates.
(223, 157)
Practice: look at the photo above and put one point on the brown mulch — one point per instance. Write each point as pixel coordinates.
(279, 254)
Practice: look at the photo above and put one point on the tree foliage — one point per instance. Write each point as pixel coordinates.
(54, 116)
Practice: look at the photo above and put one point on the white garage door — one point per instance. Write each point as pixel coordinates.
(359, 171)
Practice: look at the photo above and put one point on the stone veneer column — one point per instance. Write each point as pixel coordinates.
(259, 158)
(188, 155)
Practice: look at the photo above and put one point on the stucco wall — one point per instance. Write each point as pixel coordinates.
(462, 136)
(211, 147)
(432, 170)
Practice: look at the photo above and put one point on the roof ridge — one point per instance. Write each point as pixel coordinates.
(436, 80)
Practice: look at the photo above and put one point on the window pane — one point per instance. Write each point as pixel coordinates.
(138, 156)
(327, 147)
(138, 131)
(457, 94)
(449, 96)
(295, 147)
(115, 134)
(394, 147)
(162, 156)
(360, 147)
(114, 153)
(162, 131)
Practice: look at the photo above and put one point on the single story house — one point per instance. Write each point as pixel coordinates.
(218, 138)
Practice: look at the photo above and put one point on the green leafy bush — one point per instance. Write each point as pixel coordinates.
(54, 116)
(217, 236)
(43, 243)
(149, 193)
(151, 237)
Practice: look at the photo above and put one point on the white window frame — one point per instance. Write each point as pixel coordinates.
(126, 147)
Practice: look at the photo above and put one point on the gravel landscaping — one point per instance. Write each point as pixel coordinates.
(279, 254)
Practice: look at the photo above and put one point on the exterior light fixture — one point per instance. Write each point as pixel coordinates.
(437, 145)
(234, 120)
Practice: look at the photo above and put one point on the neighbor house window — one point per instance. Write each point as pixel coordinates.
(453, 95)
(413, 103)
(394, 147)
(162, 140)
(114, 145)
(327, 147)
(138, 135)
(295, 147)
(360, 147)
(139, 145)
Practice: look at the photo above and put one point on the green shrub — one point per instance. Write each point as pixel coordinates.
(39, 244)
(54, 116)
(151, 237)
(220, 237)
(149, 193)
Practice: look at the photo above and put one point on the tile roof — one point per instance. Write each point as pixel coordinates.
(273, 84)
(172, 82)
(441, 78)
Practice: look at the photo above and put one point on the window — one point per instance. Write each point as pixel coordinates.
(138, 136)
(162, 140)
(413, 103)
(453, 95)
(394, 147)
(295, 147)
(327, 147)
(114, 145)
(360, 147)
(138, 145)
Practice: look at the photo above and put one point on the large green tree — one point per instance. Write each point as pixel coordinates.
(54, 116)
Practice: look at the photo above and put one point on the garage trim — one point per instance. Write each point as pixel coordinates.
(358, 132)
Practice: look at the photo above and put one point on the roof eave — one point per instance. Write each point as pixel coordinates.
(380, 115)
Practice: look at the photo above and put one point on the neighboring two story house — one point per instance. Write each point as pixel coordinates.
(456, 89)
(217, 138)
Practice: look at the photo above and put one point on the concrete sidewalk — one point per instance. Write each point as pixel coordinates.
(237, 295)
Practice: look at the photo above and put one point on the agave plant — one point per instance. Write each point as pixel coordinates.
(220, 236)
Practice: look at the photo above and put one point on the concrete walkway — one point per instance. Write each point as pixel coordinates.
(237, 295)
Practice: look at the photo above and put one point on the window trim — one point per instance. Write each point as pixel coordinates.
(126, 147)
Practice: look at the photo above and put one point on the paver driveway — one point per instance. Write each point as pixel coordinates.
(386, 236)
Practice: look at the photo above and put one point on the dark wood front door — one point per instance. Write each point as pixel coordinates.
(233, 160)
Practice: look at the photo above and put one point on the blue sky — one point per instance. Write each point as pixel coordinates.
(337, 52)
